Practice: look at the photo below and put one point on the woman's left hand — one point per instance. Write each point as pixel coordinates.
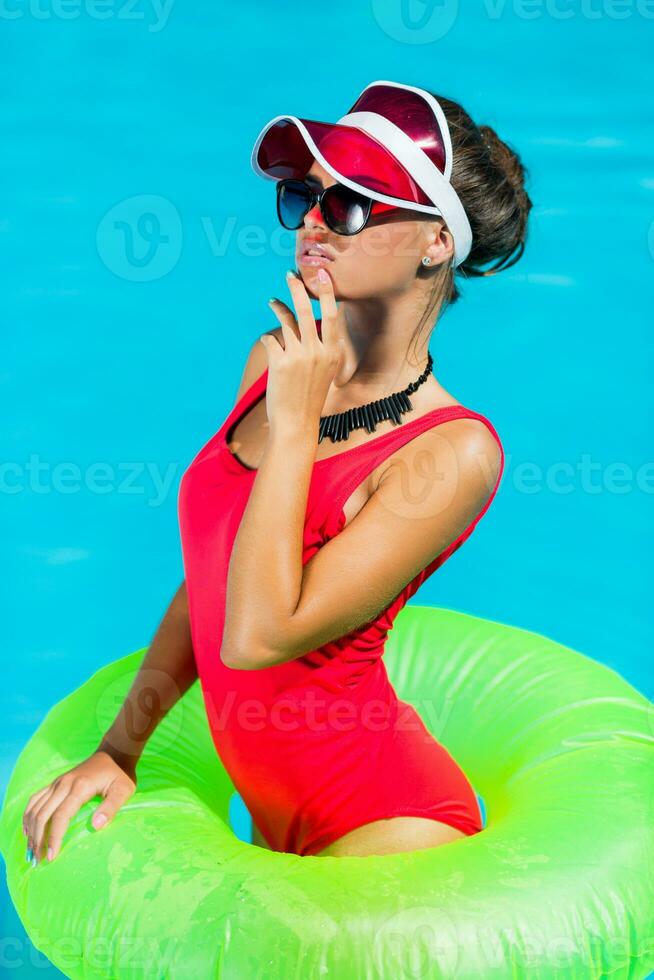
(300, 372)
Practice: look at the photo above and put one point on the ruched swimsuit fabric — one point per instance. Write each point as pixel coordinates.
(321, 744)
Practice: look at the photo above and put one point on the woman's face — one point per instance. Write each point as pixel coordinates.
(380, 260)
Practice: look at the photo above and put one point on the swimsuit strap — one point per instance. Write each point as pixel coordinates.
(361, 460)
(244, 403)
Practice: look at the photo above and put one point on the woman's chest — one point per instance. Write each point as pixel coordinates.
(247, 442)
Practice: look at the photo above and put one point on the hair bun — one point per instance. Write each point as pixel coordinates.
(505, 159)
(490, 180)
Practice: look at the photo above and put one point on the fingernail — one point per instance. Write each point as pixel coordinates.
(272, 300)
(34, 861)
(49, 854)
(99, 820)
(291, 274)
(28, 856)
(322, 275)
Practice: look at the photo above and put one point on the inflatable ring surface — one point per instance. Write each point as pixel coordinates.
(559, 883)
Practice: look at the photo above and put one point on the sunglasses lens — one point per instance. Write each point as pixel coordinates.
(293, 202)
(345, 211)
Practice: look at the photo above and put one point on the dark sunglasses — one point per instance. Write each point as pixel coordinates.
(345, 211)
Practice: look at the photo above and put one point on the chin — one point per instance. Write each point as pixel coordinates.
(310, 279)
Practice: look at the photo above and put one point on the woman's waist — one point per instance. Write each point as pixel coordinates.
(306, 689)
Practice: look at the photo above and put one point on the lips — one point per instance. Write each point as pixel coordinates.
(311, 246)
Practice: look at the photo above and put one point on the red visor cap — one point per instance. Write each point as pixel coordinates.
(350, 152)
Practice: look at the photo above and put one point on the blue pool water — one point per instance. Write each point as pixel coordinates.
(139, 251)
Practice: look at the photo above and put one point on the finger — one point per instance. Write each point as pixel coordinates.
(328, 307)
(280, 309)
(119, 791)
(75, 794)
(303, 308)
(61, 817)
(290, 330)
(31, 804)
(272, 345)
(41, 817)
(32, 827)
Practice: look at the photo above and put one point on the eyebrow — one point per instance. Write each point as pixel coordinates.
(310, 179)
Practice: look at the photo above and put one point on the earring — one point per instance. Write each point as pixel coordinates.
(426, 260)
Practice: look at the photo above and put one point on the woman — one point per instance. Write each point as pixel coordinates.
(299, 553)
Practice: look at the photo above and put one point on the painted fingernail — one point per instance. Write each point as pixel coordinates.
(291, 274)
(28, 856)
(272, 300)
(322, 275)
(49, 854)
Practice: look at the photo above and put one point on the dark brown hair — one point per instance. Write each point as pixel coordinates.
(489, 178)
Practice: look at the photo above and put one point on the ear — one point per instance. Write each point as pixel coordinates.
(440, 244)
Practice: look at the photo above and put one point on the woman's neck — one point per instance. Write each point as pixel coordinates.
(380, 356)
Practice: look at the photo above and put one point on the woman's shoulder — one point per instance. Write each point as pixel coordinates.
(463, 446)
(451, 467)
(468, 430)
(257, 362)
(468, 433)
(472, 425)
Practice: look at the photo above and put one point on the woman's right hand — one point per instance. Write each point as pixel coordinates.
(51, 808)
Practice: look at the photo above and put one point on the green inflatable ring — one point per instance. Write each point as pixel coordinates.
(559, 883)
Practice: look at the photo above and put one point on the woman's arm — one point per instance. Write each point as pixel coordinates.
(110, 770)
(166, 672)
(282, 609)
(169, 668)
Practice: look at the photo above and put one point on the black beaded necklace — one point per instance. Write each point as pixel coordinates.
(339, 425)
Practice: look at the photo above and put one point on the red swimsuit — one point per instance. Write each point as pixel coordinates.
(321, 744)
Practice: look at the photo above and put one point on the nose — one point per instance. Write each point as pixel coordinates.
(314, 217)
